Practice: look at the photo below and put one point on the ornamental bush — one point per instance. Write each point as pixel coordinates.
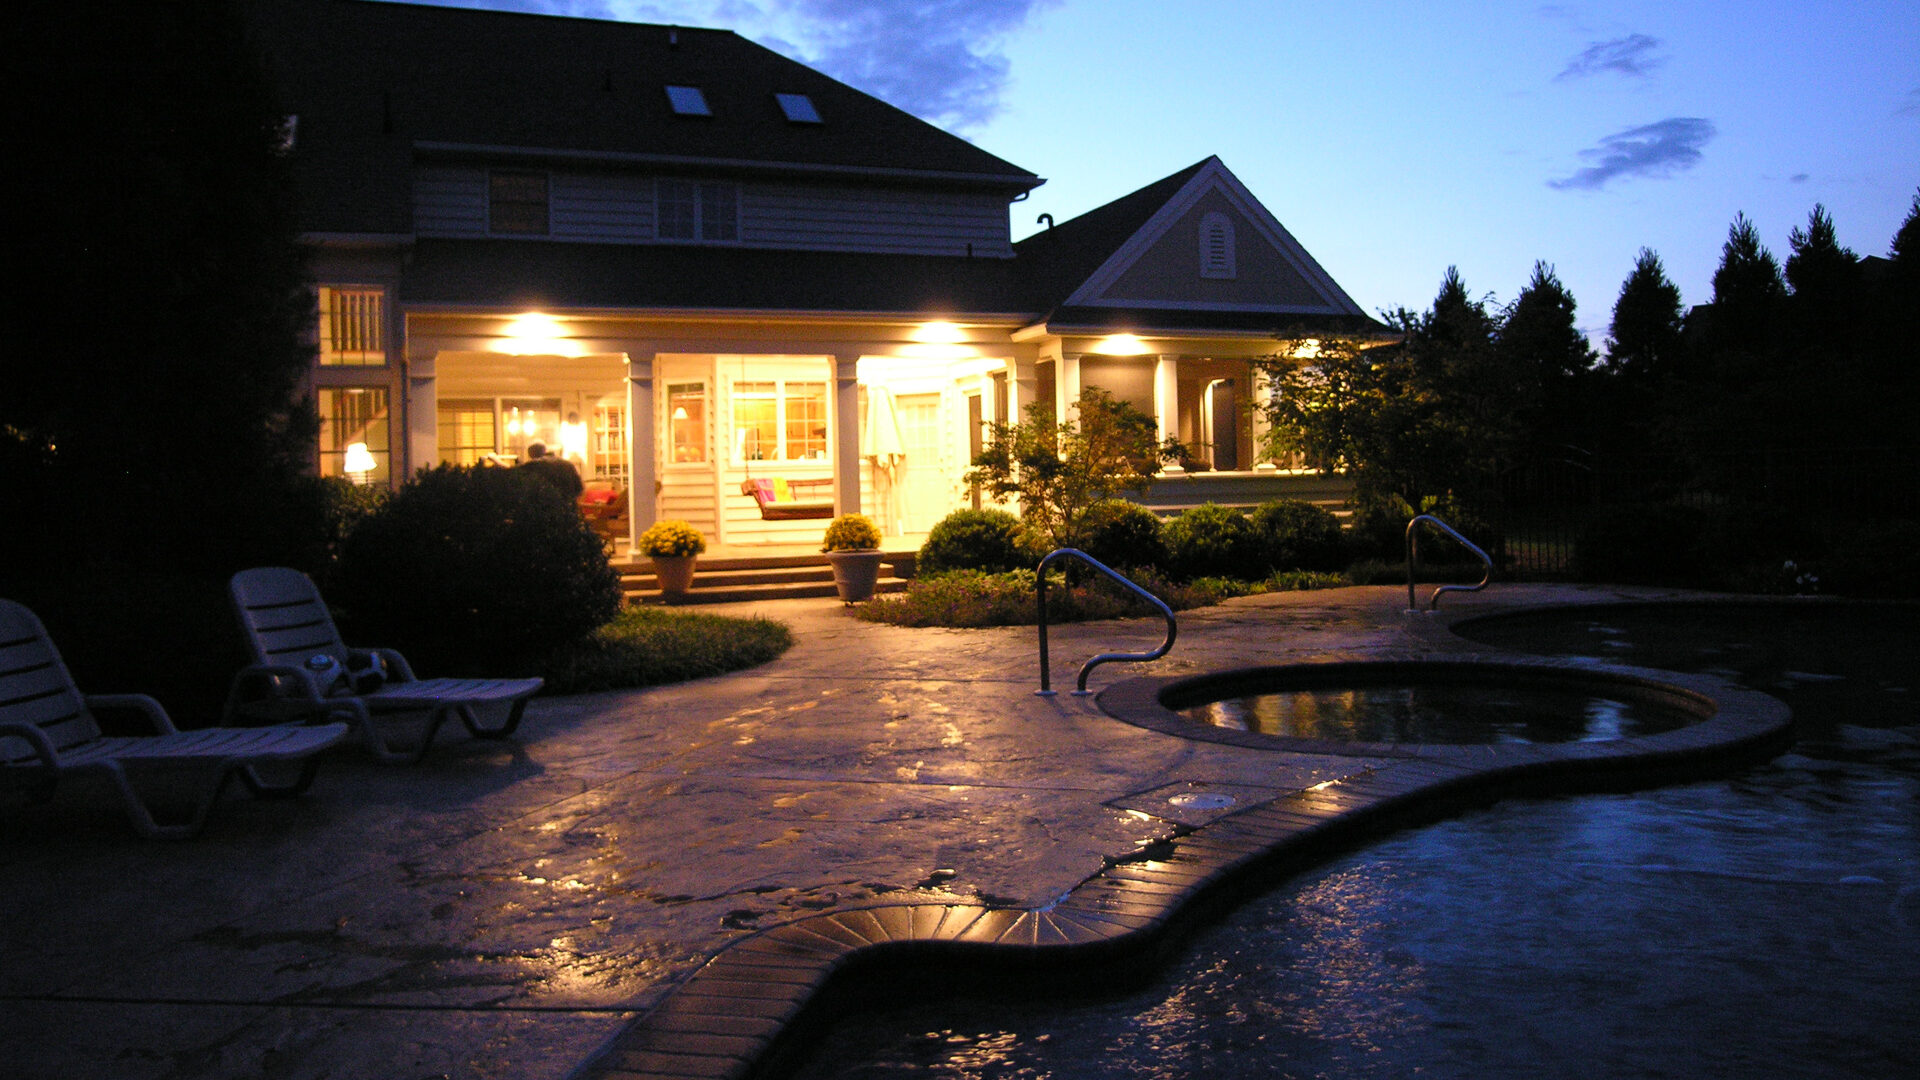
(474, 570)
(992, 541)
(1647, 544)
(1121, 534)
(1296, 535)
(851, 532)
(672, 537)
(1213, 541)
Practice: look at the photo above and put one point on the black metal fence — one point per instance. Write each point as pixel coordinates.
(1535, 511)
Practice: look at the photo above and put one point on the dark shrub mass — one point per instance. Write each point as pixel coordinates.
(992, 541)
(1213, 541)
(1296, 535)
(1121, 534)
(474, 569)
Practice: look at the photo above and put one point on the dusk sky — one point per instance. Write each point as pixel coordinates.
(1396, 139)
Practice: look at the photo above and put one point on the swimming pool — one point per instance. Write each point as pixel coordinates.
(1765, 924)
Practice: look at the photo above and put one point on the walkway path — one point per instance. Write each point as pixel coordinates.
(505, 911)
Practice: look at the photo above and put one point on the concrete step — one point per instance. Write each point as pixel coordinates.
(746, 579)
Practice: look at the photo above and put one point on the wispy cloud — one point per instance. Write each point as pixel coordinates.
(1653, 150)
(1912, 107)
(942, 60)
(1632, 56)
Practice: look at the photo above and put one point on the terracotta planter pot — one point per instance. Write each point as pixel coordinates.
(673, 572)
(855, 573)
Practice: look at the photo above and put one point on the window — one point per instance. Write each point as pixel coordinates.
(353, 415)
(517, 202)
(686, 210)
(1216, 247)
(350, 326)
(688, 101)
(687, 421)
(798, 108)
(780, 421)
(468, 430)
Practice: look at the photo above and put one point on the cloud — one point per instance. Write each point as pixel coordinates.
(1631, 56)
(941, 60)
(938, 59)
(1654, 150)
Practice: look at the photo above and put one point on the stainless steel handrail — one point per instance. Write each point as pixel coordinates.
(1413, 562)
(1040, 598)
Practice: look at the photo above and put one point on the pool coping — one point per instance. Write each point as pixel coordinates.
(738, 1014)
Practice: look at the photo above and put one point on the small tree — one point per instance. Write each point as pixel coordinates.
(1058, 471)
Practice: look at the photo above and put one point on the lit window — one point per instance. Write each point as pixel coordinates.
(350, 326)
(688, 101)
(348, 416)
(685, 210)
(780, 421)
(1216, 247)
(687, 421)
(517, 202)
(798, 108)
(468, 431)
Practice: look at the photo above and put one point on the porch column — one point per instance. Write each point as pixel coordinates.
(1166, 397)
(846, 433)
(1066, 388)
(1262, 399)
(643, 487)
(422, 445)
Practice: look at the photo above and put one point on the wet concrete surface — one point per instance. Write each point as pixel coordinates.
(505, 909)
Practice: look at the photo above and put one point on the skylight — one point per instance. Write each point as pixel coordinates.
(799, 108)
(688, 101)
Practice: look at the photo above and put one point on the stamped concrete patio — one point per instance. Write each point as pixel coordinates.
(508, 910)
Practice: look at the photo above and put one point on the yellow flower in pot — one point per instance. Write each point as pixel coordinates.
(673, 546)
(852, 546)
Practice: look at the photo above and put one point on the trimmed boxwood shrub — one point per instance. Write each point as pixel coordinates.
(471, 570)
(1121, 534)
(1213, 541)
(992, 541)
(1296, 535)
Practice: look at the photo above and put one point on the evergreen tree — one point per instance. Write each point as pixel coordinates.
(150, 408)
(1542, 347)
(1825, 278)
(1747, 290)
(1644, 342)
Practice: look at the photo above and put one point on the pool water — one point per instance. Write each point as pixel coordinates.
(1763, 925)
(1438, 713)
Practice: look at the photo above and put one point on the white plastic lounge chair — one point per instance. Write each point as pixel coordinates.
(48, 730)
(302, 671)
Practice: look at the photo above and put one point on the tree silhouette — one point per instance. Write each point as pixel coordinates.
(1550, 358)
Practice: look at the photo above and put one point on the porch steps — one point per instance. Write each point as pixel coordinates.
(745, 579)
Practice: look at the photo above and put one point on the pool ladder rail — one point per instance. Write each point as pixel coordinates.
(1040, 599)
(1413, 561)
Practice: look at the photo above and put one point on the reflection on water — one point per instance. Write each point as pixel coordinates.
(1445, 713)
(1766, 925)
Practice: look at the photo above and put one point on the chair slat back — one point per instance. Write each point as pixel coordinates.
(36, 688)
(283, 617)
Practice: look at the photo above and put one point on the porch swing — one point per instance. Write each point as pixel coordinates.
(780, 498)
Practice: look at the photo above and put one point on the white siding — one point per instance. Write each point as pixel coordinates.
(619, 209)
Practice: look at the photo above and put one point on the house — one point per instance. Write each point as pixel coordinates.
(689, 263)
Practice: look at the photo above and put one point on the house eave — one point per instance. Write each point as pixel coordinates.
(475, 151)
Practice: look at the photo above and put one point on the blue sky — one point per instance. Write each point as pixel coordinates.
(1396, 139)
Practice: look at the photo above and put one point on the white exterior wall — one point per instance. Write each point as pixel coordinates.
(618, 208)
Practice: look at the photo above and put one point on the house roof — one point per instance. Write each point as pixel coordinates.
(1135, 264)
(376, 83)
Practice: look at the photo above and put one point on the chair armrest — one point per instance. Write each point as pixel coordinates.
(139, 702)
(34, 737)
(398, 670)
(291, 686)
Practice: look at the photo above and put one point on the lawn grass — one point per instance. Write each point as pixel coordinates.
(648, 646)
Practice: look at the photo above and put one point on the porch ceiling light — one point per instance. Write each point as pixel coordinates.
(1121, 345)
(938, 333)
(535, 334)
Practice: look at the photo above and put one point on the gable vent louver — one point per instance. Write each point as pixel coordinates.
(1216, 247)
